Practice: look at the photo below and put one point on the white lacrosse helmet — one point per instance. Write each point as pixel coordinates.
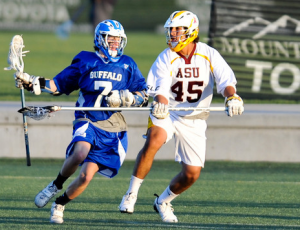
(112, 28)
(186, 19)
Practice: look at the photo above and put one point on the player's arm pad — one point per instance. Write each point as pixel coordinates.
(45, 86)
(41, 84)
(140, 98)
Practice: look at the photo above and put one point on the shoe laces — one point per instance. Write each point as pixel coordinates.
(130, 197)
(52, 188)
(166, 207)
(59, 207)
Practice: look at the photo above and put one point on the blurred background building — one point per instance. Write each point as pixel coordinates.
(135, 15)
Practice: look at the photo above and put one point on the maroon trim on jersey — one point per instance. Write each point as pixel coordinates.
(188, 60)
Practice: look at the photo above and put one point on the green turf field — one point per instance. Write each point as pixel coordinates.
(228, 195)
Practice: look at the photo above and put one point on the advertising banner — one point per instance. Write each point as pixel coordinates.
(260, 40)
(44, 15)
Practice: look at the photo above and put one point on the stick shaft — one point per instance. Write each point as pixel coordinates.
(25, 129)
(136, 109)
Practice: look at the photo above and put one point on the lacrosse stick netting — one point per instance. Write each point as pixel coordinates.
(16, 54)
(36, 113)
(39, 113)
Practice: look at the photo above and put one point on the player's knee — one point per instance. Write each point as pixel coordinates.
(150, 148)
(191, 173)
(80, 151)
(78, 157)
(156, 137)
(84, 178)
(191, 177)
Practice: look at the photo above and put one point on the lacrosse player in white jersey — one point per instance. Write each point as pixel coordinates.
(106, 78)
(183, 75)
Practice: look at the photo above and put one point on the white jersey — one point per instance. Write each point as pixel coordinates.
(189, 81)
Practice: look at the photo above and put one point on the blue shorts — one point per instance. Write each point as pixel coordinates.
(107, 148)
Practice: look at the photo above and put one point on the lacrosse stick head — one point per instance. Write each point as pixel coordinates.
(38, 113)
(16, 54)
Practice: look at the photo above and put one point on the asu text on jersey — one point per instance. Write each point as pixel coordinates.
(188, 72)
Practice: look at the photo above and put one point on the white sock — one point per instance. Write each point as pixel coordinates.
(167, 196)
(135, 184)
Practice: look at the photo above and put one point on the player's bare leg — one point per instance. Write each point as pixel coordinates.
(156, 137)
(185, 179)
(85, 176)
(80, 152)
(181, 182)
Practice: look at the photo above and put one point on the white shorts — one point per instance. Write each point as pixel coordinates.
(189, 136)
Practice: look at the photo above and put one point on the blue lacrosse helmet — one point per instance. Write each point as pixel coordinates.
(112, 28)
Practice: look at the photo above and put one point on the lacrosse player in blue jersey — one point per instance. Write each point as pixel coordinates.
(105, 78)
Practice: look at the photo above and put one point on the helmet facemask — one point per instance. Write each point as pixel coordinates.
(106, 39)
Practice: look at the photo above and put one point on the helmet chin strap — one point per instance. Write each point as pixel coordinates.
(174, 44)
(112, 53)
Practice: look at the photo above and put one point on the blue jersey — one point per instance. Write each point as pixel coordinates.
(96, 79)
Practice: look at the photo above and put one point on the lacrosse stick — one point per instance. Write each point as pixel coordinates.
(15, 61)
(39, 113)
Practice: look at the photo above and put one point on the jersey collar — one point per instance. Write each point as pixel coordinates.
(188, 60)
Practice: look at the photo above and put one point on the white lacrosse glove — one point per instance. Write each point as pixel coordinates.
(30, 82)
(127, 98)
(159, 110)
(25, 77)
(234, 105)
(19, 83)
(113, 99)
(120, 98)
